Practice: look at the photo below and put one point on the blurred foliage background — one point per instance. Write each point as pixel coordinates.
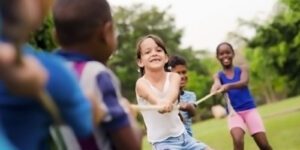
(272, 54)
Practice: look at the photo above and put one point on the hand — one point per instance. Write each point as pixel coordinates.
(224, 88)
(97, 107)
(27, 79)
(184, 106)
(215, 88)
(132, 111)
(7, 56)
(166, 107)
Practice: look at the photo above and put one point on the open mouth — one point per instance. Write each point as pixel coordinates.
(226, 61)
(155, 60)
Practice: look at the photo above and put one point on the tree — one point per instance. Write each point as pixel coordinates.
(279, 43)
(43, 37)
(274, 51)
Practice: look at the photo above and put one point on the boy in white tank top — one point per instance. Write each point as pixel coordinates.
(158, 87)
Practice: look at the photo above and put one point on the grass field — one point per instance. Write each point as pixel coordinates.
(282, 122)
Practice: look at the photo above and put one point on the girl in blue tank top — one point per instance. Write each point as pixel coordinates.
(233, 81)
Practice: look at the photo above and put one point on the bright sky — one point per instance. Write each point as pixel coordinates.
(207, 22)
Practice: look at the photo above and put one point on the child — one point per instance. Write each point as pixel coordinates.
(158, 87)
(85, 32)
(241, 106)
(187, 98)
(24, 120)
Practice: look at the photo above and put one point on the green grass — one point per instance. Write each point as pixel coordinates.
(282, 122)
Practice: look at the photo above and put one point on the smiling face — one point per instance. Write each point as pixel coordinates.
(152, 56)
(225, 55)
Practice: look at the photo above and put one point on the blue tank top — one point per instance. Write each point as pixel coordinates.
(240, 98)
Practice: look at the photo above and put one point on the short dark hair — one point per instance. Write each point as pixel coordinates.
(14, 26)
(176, 60)
(76, 20)
(8, 11)
(224, 43)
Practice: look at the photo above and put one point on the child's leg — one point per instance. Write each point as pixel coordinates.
(172, 143)
(237, 130)
(262, 141)
(192, 144)
(237, 135)
(257, 129)
(182, 142)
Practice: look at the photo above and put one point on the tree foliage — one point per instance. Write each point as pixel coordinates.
(274, 53)
(43, 38)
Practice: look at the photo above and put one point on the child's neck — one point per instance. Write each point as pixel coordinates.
(229, 72)
(89, 51)
(228, 69)
(155, 76)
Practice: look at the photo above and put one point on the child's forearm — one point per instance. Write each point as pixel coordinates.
(173, 93)
(215, 87)
(152, 99)
(244, 78)
(172, 98)
(191, 110)
(238, 84)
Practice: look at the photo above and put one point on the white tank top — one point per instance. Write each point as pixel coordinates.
(161, 126)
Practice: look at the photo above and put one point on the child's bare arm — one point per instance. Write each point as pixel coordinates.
(173, 92)
(120, 136)
(119, 127)
(216, 85)
(19, 77)
(121, 139)
(142, 90)
(188, 107)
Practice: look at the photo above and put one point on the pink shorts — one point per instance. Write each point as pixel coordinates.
(247, 118)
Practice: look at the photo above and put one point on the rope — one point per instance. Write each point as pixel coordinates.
(159, 107)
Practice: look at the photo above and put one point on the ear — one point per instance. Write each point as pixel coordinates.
(109, 35)
(140, 63)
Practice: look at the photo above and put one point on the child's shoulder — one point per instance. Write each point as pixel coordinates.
(139, 82)
(189, 93)
(241, 68)
(188, 96)
(94, 68)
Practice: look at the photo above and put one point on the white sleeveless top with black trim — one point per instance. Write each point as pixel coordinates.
(161, 126)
